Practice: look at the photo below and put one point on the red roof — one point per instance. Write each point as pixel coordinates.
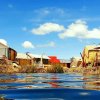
(53, 59)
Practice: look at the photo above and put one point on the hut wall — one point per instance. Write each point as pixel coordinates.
(45, 61)
(68, 65)
(90, 55)
(63, 64)
(98, 57)
(79, 63)
(3, 50)
(24, 62)
(86, 55)
(12, 54)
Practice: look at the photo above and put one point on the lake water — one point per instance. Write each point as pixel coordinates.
(49, 87)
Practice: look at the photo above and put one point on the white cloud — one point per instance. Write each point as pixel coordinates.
(3, 42)
(47, 28)
(50, 44)
(80, 29)
(28, 44)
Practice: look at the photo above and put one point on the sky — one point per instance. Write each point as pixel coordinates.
(59, 28)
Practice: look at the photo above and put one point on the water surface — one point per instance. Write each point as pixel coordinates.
(49, 87)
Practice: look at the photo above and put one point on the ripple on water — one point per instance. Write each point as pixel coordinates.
(40, 86)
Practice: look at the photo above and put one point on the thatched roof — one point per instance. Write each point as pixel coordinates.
(24, 56)
(89, 47)
(94, 48)
(6, 46)
(38, 56)
(64, 61)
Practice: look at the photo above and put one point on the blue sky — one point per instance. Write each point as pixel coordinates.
(52, 27)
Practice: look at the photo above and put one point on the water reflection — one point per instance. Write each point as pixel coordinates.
(35, 82)
(18, 81)
(92, 82)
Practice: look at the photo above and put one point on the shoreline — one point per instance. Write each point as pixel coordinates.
(8, 69)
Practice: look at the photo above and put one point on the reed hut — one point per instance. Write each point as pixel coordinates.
(32, 59)
(40, 60)
(76, 62)
(8, 52)
(91, 55)
(23, 59)
(65, 62)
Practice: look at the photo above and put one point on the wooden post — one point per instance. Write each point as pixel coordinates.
(96, 60)
(83, 62)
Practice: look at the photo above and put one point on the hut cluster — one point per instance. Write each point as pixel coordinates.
(89, 56)
(9, 55)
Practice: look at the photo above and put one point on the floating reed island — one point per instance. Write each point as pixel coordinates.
(13, 62)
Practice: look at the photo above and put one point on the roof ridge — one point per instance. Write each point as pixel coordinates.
(3, 44)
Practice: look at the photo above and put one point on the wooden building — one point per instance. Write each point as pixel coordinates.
(23, 59)
(65, 62)
(12, 54)
(40, 60)
(7, 52)
(32, 59)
